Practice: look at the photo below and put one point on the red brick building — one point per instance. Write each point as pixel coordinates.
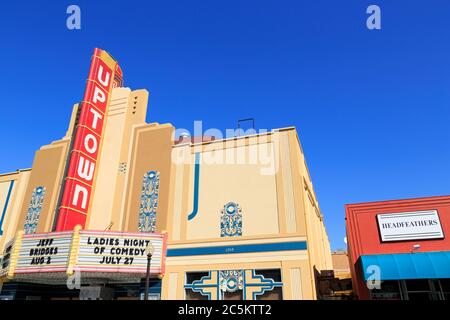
(403, 243)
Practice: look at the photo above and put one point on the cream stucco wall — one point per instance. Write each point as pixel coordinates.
(12, 211)
(277, 206)
(126, 110)
(241, 183)
(265, 174)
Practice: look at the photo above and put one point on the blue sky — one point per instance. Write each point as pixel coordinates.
(372, 107)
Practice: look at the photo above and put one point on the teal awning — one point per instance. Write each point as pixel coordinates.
(402, 266)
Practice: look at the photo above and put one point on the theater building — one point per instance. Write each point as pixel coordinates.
(227, 218)
(400, 249)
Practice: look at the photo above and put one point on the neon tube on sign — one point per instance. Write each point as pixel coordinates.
(104, 74)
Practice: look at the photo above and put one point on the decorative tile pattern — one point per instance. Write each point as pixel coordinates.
(34, 210)
(231, 220)
(216, 283)
(149, 202)
(231, 280)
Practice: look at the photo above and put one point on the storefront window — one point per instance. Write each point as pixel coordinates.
(195, 276)
(419, 285)
(417, 289)
(423, 289)
(390, 290)
(445, 288)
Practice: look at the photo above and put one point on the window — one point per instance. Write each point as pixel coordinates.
(273, 286)
(194, 285)
(264, 284)
(191, 295)
(274, 294)
(445, 288)
(390, 290)
(195, 276)
(236, 295)
(273, 274)
(422, 289)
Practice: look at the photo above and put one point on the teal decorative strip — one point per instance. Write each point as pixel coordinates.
(231, 220)
(197, 285)
(265, 284)
(34, 210)
(11, 185)
(196, 186)
(149, 202)
(243, 248)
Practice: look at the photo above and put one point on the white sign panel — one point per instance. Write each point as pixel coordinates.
(44, 252)
(119, 252)
(404, 226)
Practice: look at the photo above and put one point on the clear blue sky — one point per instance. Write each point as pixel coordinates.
(372, 107)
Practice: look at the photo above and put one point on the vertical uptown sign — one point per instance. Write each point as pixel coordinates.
(104, 74)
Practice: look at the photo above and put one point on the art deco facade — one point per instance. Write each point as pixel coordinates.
(238, 217)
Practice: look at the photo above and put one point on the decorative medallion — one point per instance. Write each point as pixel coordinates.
(149, 202)
(231, 220)
(34, 210)
(231, 280)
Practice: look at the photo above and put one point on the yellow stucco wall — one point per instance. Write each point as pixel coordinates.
(47, 171)
(127, 108)
(12, 211)
(240, 183)
(277, 205)
(151, 151)
(265, 174)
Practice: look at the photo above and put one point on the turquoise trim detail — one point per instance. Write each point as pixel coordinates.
(11, 185)
(264, 285)
(244, 291)
(34, 210)
(243, 248)
(149, 202)
(196, 186)
(197, 285)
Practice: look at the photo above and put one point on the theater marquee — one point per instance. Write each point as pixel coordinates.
(119, 252)
(404, 226)
(48, 252)
(89, 252)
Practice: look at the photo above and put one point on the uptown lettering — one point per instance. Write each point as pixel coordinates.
(86, 142)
